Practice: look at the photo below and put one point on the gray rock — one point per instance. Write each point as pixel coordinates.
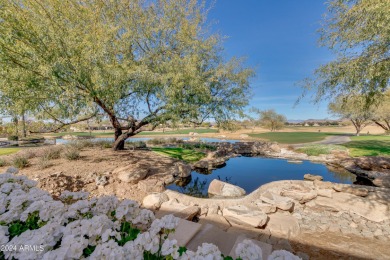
(299, 193)
(311, 177)
(223, 189)
(132, 173)
(101, 180)
(154, 200)
(278, 201)
(242, 215)
(182, 170)
(151, 185)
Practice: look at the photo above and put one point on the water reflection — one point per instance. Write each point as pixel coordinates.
(251, 172)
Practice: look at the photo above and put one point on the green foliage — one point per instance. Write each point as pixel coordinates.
(163, 141)
(195, 188)
(137, 145)
(317, 149)
(128, 233)
(358, 33)
(353, 108)
(270, 119)
(13, 138)
(200, 146)
(20, 162)
(88, 250)
(103, 144)
(180, 153)
(77, 59)
(292, 137)
(18, 227)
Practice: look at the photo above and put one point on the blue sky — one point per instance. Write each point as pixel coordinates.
(280, 40)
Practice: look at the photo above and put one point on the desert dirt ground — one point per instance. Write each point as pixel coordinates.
(80, 175)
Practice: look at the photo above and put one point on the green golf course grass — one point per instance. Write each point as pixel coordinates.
(7, 151)
(369, 145)
(180, 153)
(293, 137)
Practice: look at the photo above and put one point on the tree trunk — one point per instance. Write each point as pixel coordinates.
(24, 126)
(119, 143)
(16, 122)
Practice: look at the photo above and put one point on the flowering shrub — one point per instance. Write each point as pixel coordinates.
(35, 226)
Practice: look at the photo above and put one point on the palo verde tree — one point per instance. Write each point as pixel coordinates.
(136, 62)
(270, 119)
(353, 108)
(358, 32)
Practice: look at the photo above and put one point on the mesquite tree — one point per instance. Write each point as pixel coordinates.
(136, 62)
(358, 32)
(352, 108)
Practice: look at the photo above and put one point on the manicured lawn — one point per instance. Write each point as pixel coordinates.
(83, 134)
(369, 145)
(176, 132)
(180, 153)
(293, 137)
(6, 151)
(182, 132)
(317, 149)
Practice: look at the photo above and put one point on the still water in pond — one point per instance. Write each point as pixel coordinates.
(251, 172)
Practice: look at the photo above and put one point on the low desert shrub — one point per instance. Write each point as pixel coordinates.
(3, 162)
(13, 138)
(71, 153)
(20, 161)
(50, 153)
(44, 163)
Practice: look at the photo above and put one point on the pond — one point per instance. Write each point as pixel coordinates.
(251, 172)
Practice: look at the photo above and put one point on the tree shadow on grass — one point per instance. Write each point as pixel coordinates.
(369, 148)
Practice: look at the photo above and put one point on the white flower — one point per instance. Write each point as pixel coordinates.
(283, 255)
(104, 205)
(247, 250)
(208, 251)
(3, 235)
(107, 251)
(170, 247)
(126, 207)
(133, 251)
(149, 241)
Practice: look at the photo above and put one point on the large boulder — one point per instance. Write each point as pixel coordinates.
(151, 185)
(283, 226)
(243, 215)
(182, 170)
(382, 181)
(210, 163)
(153, 201)
(132, 173)
(280, 202)
(179, 210)
(299, 192)
(223, 189)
